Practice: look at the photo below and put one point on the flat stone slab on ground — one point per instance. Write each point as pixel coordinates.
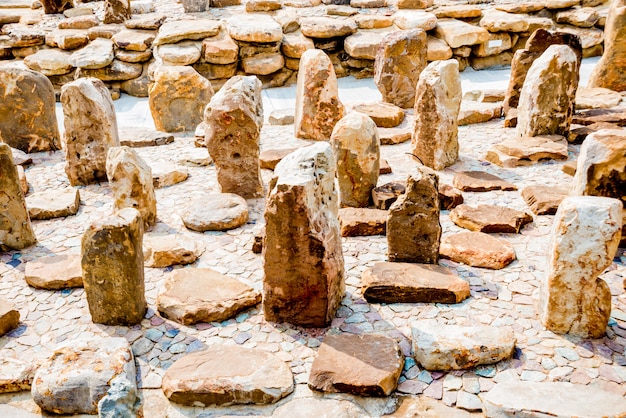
(544, 200)
(227, 375)
(578, 133)
(171, 249)
(597, 98)
(588, 117)
(55, 272)
(15, 376)
(477, 112)
(454, 347)
(364, 365)
(143, 137)
(480, 181)
(412, 283)
(489, 218)
(384, 115)
(357, 222)
(20, 157)
(167, 174)
(51, 204)
(449, 197)
(477, 249)
(270, 157)
(515, 152)
(9, 317)
(425, 407)
(282, 117)
(193, 295)
(216, 212)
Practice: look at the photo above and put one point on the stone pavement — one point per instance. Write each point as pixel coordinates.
(500, 298)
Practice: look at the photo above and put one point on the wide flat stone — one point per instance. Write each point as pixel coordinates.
(480, 181)
(51, 204)
(489, 218)
(270, 157)
(415, 19)
(454, 347)
(226, 375)
(216, 212)
(14, 412)
(98, 54)
(255, 27)
(392, 136)
(187, 29)
(515, 152)
(9, 317)
(165, 174)
(544, 200)
(364, 365)
(412, 283)
(384, 115)
(55, 272)
(15, 376)
(477, 112)
(425, 407)
(193, 295)
(134, 39)
(50, 62)
(499, 21)
(551, 399)
(589, 117)
(357, 222)
(148, 21)
(597, 98)
(282, 117)
(477, 249)
(322, 27)
(171, 249)
(136, 137)
(458, 33)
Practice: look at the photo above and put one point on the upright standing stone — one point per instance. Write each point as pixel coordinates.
(610, 71)
(130, 178)
(56, 6)
(585, 236)
(27, 121)
(16, 231)
(318, 108)
(356, 148)
(233, 120)
(90, 130)
(437, 104)
(547, 97)
(400, 59)
(116, 11)
(303, 258)
(413, 228)
(112, 261)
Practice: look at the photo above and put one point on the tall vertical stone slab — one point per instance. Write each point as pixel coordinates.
(303, 258)
(90, 130)
(400, 59)
(130, 178)
(27, 118)
(546, 103)
(585, 236)
(610, 71)
(178, 97)
(16, 232)
(413, 228)
(56, 6)
(437, 104)
(116, 11)
(356, 148)
(233, 120)
(318, 107)
(112, 263)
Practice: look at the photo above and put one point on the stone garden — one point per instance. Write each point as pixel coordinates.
(423, 251)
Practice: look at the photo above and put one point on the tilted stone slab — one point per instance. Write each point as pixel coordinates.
(50, 204)
(489, 218)
(310, 407)
(544, 200)
(165, 174)
(384, 115)
(215, 212)
(171, 249)
(480, 181)
(477, 249)
(55, 272)
(457, 33)
(516, 152)
(98, 54)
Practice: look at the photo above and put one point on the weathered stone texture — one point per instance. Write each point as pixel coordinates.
(116, 11)
(215, 212)
(49, 204)
(477, 249)
(55, 272)
(56, 6)
(170, 249)
(610, 71)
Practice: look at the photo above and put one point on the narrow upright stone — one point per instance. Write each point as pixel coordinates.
(90, 130)
(437, 104)
(233, 120)
(356, 148)
(303, 258)
(547, 97)
(413, 228)
(116, 11)
(585, 236)
(56, 6)
(318, 108)
(112, 262)
(130, 178)
(16, 232)
(400, 59)
(610, 71)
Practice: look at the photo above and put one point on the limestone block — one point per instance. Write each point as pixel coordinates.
(458, 33)
(181, 53)
(263, 64)
(90, 130)
(220, 49)
(499, 21)
(116, 11)
(112, 263)
(255, 27)
(302, 242)
(322, 27)
(133, 39)
(9, 317)
(415, 19)
(610, 71)
(98, 54)
(49, 62)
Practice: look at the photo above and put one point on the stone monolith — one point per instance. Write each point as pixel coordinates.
(610, 71)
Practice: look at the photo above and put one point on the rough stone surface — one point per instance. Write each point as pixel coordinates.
(384, 115)
(384, 196)
(610, 72)
(489, 218)
(322, 27)
(116, 11)
(475, 112)
(412, 283)
(9, 317)
(56, 6)
(270, 157)
(51, 204)
(215, 212)
(139, 137)
(357, 222)
(98, 54)
(303, 240)
(55, 272)
(49, 62)
(15, 376)
(458, 33)
(544, 200)
(597, 98)
(515, 152)
(316, 407)
(255, 27)
(585, 236)
(415, 19)
(187, 29)
(449, 197)
(193, 295)
(230, 375)
(480, 181)
(112, 263)
(477, 249)
(168, 250)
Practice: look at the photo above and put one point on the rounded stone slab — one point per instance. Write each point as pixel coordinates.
(477, 249)
(489, 218)
(319, 408)
(255, 28)
(49, 62)
(168, 250)
(51, 204)
(55, 272)
(180, 30)
(216, 212)
(384, 115)
(98, 54)
(226, 376)
(322, 27)
(194, 295)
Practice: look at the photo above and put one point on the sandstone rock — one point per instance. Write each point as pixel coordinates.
(9, 317)
(458, 33)
(186, 29)
(584, 17)
(181, 53)
(384, 115)
(168, 250)
(21, 175)
(263, 5)
(15, 376)
(477, 249)
(255, 27)
(392, 136)
(610, 71)
(449, 197)
(438, 50)
(489, 218)
(412, 283)
(269, 158)
(55, 272)
(316, 407)
(480, 181)
(521, 7)
(150, 21)
(67, 39)
(263, 64)
(596, 116)
(318, 108)
(133, 40)
(98, 54)
(295, 44)
(112, 263)
(193, 6)
(365, 365)
(136, 137)
(425, 407)
(229, 375)
(458, 11)
(20, 158)
(597, 98)
(415, 19)
(302, 230)
(81, 372)
(165, 174)
(400, 59)
(216, 212)
(413, 228)
(498, 21)
(358, 222)
(16, 231)
(220, 49)
(49, 62)
(178, 97)
(454, 347)
(384, 196)
(116, 71)
(219, 73)
(21, 35)
(569, 168)
(49, 204)
(372, 21)
(544, 200)
(476, 112)
(56, 6)
(90, 130)
(356, 149)
(589, 37)
(322, 27)
(364, 44)
(385, 168)
(514, 152)
(116, 11)
(85, 21)
(28, 98)
(437, 104)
